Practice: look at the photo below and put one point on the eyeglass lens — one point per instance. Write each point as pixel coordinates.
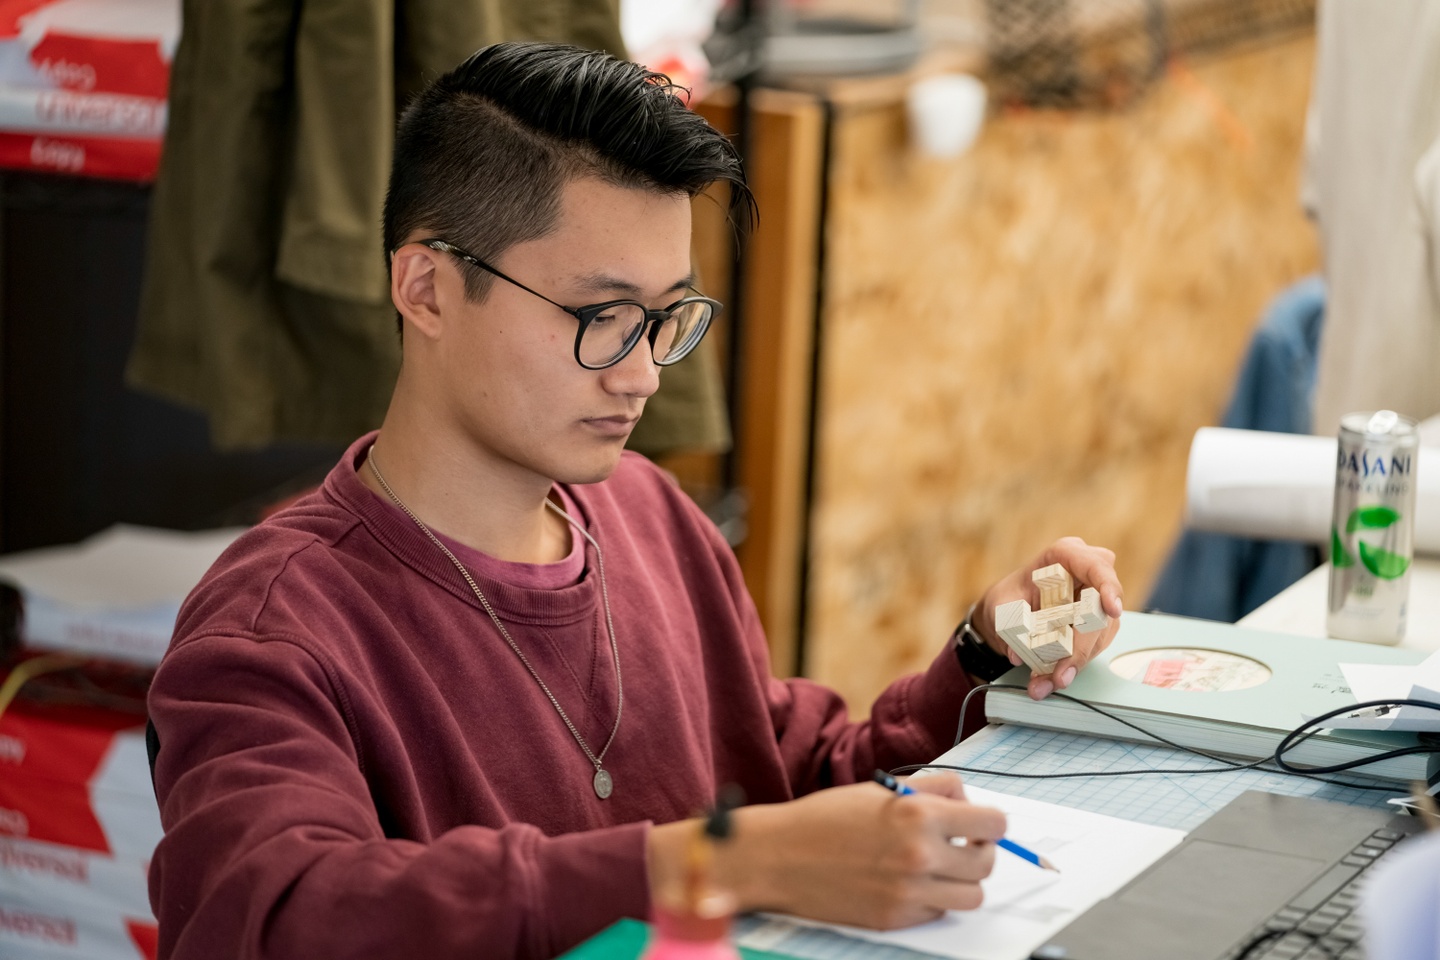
(612, 333)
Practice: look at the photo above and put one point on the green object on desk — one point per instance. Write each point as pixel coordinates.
(626, 940)
(1305, 681)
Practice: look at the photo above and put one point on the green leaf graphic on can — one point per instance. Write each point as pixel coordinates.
(1371, 518)
(1339, 556)
(1383, 563)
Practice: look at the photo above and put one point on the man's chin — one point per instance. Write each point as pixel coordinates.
(597, 469)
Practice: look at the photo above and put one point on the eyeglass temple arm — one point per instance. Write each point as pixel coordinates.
(454, 251)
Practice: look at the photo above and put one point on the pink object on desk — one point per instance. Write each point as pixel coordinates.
(681, 936)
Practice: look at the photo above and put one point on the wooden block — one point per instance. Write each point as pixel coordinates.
(1052, 646)
(1051, 618)
(1028, 658)
(1088, 615)
(1036, 664)
(1055, 585)
(1014, 622)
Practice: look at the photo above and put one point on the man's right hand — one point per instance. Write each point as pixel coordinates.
(858, 854)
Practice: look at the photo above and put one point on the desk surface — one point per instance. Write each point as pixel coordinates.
(1169, 800)
(1300, 608)
(1161, 799)
(999, 757)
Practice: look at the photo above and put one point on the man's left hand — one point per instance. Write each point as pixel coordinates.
(1090, 567)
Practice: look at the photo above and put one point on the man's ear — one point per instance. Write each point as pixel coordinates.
(412, 288)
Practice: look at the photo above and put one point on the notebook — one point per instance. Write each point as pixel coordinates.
(1280, 870)
(1220, 688)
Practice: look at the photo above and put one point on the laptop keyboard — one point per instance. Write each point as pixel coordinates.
(1320, 923)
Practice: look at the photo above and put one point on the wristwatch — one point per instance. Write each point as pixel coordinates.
(977, 657)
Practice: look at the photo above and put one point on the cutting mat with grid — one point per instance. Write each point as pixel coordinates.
(1161, 799)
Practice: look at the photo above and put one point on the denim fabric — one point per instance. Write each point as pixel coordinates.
(1220, 577)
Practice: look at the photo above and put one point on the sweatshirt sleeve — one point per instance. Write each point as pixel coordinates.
(273, 847)
(914, 720)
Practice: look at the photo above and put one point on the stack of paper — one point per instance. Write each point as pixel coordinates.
(114, 595)
(1301, 677)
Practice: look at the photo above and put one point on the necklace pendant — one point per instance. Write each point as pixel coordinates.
(604, 785)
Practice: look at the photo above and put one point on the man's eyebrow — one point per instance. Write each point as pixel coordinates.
(604, 282)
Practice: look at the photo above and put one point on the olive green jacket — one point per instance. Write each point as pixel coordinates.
(265, 302)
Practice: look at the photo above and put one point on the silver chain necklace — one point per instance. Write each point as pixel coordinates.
(604, 784)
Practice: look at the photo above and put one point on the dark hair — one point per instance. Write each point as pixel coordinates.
(482, 154)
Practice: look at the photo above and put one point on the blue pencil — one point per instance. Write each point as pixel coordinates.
(905, 790)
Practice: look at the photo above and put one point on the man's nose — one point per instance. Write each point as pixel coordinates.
(637, 374)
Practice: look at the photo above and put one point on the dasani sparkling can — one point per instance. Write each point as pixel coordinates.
(1372, 532)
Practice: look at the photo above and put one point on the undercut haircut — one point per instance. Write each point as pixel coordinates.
(481, 156)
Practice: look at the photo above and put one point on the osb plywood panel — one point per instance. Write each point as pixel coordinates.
(1018, 344)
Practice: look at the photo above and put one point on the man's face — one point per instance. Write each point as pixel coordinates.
(506, 366)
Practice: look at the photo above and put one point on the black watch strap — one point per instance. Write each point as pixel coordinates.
(975, 655)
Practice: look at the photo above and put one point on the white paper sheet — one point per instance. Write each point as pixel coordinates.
(1370, 681)
(1024, 905)
(113, 595)
(122, 567)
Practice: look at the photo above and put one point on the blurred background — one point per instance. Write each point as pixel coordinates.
(1011, 254)
(1016, 260)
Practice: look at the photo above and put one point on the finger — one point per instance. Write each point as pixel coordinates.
(1091, 567)
(940, 784)
(1098, 570)
(942, 894)
(968, 821)
(1087, 647)
(1064, 674)
(969, 862)
(1112, 600)
(899, 915)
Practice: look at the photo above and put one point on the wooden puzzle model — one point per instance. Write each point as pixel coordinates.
(1043, 637)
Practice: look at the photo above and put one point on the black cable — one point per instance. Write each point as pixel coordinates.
(1235, 764)
(1381, 707)
(1298, 735)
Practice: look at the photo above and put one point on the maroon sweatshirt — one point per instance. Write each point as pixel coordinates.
(354, 764)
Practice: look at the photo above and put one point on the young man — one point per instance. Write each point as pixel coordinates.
(460, 701)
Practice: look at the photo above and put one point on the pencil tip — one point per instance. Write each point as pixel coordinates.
(1048, 865)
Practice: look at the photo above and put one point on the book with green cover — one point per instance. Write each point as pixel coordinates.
(627, 939)
(1218, 688)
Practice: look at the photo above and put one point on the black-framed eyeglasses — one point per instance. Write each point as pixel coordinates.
(610, 330)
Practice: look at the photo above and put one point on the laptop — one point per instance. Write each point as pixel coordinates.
(1261, 866)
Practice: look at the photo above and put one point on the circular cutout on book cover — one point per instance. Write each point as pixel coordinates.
(1192, 669)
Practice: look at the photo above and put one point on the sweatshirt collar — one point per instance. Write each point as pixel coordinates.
(400, 536)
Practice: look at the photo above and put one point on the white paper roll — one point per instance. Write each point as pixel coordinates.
(1281, 486)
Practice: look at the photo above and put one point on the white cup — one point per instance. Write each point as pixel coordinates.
(946, 113)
